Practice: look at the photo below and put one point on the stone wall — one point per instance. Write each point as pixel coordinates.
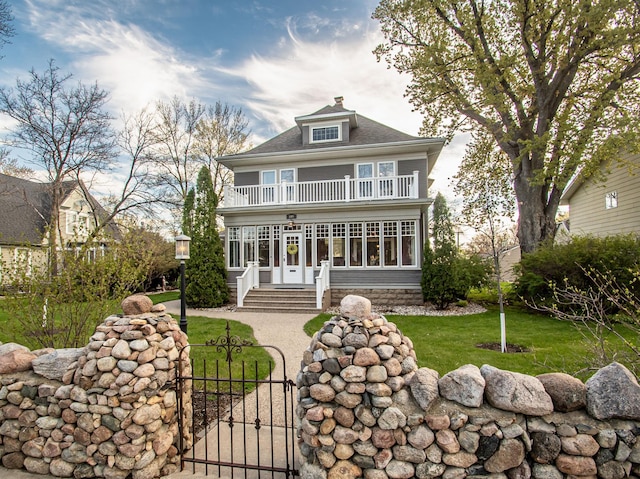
(381, 297)
(366, 409)
(105, 410)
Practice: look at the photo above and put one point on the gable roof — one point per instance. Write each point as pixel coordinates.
(25, 209)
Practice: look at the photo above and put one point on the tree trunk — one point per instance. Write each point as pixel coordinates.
(536, 218)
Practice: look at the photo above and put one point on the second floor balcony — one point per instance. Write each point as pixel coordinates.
(345, 189)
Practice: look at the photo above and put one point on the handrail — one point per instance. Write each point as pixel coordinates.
(250, 279)
(323, 191)
(323, 282)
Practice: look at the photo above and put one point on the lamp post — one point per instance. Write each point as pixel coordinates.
(182, 253)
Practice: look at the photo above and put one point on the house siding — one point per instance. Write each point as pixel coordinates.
(246, 178)
(587, 208)
(319, 173)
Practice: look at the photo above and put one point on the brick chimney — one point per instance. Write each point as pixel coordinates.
(338, 100)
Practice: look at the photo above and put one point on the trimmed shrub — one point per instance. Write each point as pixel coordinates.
(568, 265)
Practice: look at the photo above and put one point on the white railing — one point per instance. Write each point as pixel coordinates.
(324, 191)
(249, 280)
(323, 282)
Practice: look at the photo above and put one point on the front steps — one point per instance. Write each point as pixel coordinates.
(280, 300)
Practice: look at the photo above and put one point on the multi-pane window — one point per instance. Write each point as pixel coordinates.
(322, 243)
(325, 133)
(408, 239)
(611, 200)
(249, 241)
(77, 223)
(233, 233)
(264, 253)
(339, 244)
(373, 244)
(390, 243)
(355, 244)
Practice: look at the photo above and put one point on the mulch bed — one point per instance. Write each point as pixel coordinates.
(208, 408)
(511, 348)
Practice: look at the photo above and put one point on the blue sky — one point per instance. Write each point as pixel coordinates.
(275, 59)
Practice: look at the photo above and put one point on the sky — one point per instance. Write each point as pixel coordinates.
(274, 59)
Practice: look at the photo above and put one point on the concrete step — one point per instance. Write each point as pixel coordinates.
(280, 300)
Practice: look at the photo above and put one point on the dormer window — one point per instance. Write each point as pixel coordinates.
(325, 133)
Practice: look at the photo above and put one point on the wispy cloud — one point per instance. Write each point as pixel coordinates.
(134, 65)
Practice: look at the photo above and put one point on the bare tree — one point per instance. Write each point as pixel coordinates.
(173, 162)
(6, 28)
(223, 130)
(10, 166)
(64, 128)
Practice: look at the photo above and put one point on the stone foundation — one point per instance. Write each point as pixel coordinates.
(105, 410)
(367, 410)
(380, 297)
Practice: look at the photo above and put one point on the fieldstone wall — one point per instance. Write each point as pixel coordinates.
(105, 410)
(366, 410)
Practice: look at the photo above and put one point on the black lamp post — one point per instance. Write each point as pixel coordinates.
(182, 253)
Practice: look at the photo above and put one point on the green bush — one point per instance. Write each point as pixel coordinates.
(568, 265)
(489, 294)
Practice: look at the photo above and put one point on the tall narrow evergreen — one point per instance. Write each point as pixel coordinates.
(205, 272)
(446, 275)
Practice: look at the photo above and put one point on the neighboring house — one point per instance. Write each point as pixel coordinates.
(338, 192)
(25, 210)
(607, 203)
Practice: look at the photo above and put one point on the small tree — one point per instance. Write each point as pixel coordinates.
(206, 275)
(62, 311)
(446, 275)
(488, 203)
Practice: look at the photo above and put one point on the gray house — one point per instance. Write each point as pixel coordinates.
(607, 203)
(335, 205)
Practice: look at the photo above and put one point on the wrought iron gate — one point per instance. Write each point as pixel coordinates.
(243, 418)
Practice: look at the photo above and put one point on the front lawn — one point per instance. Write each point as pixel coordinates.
(445, 343)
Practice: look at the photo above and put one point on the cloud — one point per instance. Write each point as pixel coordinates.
(302, 76)
(134, 65)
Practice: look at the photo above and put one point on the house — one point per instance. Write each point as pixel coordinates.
(25, 210)
(337, 203)
(608, 202)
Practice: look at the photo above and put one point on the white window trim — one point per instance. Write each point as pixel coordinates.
(313, 126)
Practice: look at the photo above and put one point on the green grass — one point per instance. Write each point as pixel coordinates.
(165, 296)
(445, 343)
(247, 361)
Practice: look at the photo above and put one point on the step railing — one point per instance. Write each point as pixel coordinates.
(323, 282)
(249, 280)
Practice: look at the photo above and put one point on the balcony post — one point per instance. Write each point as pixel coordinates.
(416, 185)
(347, 187)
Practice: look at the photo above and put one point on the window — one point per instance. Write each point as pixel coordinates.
(22, 261)
(325, 133)
(249, 240)
(287, 177)
(365, 183)
(611, 200)
(267, 182)
(77, 223)
(322, 243)
(264, 253)
(390, 243)
(373, 244)
(355, 244)
(234, 246)
(386, 170)
(339, 244)
(408, 232)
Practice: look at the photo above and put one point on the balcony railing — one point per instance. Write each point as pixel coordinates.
(325, 191)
